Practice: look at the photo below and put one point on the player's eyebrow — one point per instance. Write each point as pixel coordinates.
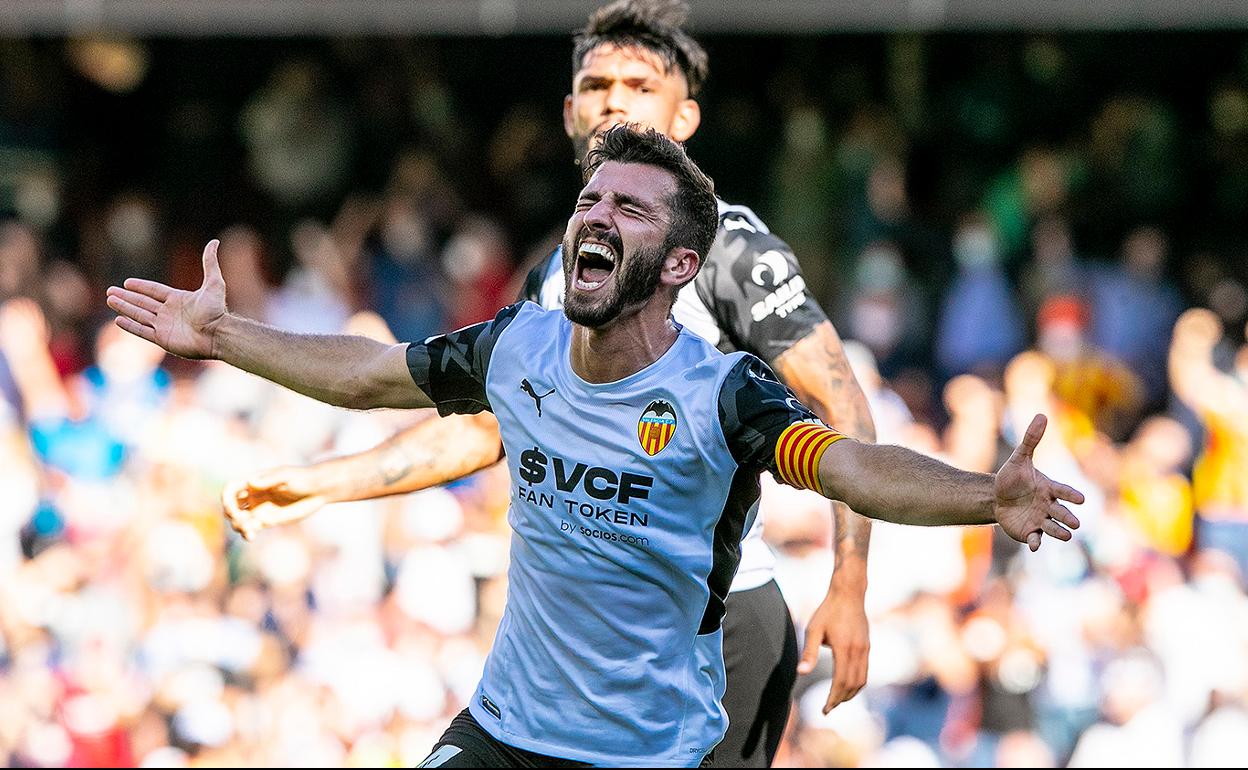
(594, 81)
(624, 199)
(646, 209)
(603, 81)
(643, 80)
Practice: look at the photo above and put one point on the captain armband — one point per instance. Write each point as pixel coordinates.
(799, 450)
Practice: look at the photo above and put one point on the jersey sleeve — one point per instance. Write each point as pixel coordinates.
(754, 287)
(451, 368)
(769, 429)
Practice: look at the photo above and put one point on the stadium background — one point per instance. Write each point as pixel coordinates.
(1009, 209)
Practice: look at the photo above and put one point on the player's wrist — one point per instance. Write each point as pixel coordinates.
(223, 333)
(327, 482)
(994, 505)
(848, 583)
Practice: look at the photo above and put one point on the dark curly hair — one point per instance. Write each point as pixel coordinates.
(653, 25)
(695, 213)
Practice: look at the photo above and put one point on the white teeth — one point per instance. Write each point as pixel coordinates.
(601, 251)
(597, 249)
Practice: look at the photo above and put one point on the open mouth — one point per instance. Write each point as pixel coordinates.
(595, 262)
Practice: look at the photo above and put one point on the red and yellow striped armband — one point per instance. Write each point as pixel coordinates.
(799, 450)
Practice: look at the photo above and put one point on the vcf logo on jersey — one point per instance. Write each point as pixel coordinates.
(656, 427)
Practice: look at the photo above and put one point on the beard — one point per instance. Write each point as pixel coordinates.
(633, 283)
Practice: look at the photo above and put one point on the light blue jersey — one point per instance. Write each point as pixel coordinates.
(628, 502)
(749, 295)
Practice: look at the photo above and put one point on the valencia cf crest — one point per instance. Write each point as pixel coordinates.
(656, 427)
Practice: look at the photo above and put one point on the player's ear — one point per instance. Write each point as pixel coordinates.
(680, 266)
(686, 121)
(567, 115)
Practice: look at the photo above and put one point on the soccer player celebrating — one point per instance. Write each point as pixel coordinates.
(633, 63)
(632, 487)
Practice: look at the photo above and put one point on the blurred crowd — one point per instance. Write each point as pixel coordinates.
(136, 629)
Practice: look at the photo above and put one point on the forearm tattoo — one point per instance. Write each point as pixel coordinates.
(817, 369)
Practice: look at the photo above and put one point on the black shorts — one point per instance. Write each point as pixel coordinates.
(466, 744)
(760, 658)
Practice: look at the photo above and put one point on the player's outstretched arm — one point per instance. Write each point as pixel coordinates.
(354, 372)
(898, 485)
(426, 454)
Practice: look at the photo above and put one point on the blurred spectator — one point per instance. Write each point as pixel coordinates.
(980, 291)
(972, 441)
(1095, 384)
(888, 205)
(1155, 496)
(316, 297)
(405, 286)
(1133, 157)
(70, 307)
(127, 385)
(1138, 730)
(1034, 190)
(889, 412)
(132, 239)
(298, 136)
(1134, 308)
(19, 477)
(19, 261)
(885, 309)
(478, 263)
(804, 193)
(1203, 671)
(242, 265)
(1054, 268)
(972, 437)
(1219, 480)
(67, 433)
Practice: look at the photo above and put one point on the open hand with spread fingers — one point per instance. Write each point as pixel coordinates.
(1026, 502)
(181, 322)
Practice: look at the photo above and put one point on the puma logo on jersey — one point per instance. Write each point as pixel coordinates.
(527, 387)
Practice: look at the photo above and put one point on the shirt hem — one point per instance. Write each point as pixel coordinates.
(491, 725)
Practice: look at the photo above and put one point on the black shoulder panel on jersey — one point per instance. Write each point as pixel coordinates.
(754, 409)
(754, 287)
(532, 288)
(451, 368)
